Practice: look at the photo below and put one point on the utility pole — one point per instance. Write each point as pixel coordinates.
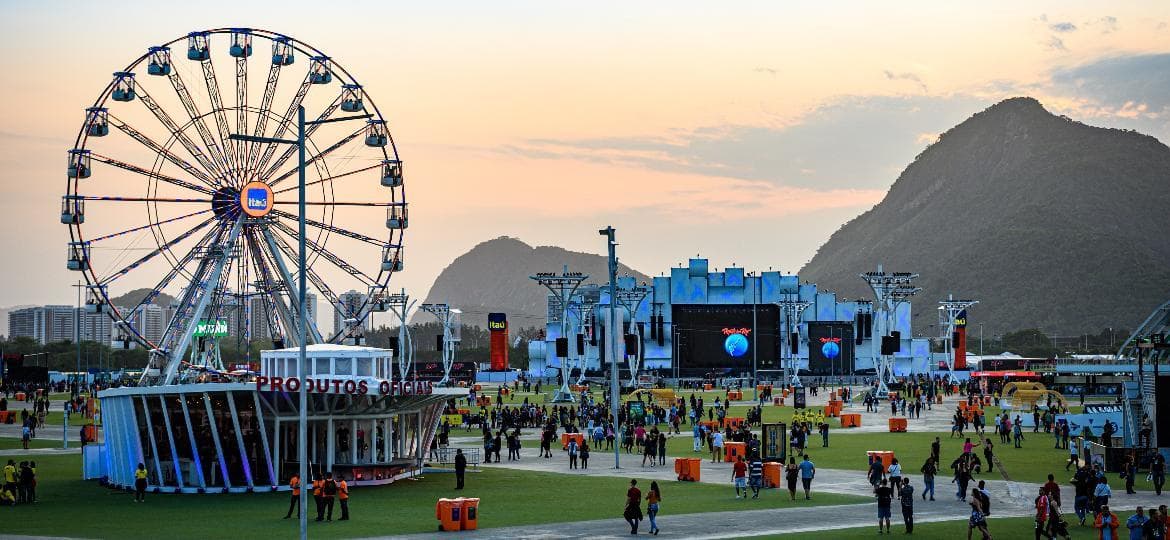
(608, 233)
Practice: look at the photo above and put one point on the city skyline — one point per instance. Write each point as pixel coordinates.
(716, 129)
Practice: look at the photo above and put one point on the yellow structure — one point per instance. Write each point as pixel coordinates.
(663, 397)
(1025, 395)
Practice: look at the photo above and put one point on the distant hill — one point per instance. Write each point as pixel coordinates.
(493, 277)
(1050, 223)
(135, 296)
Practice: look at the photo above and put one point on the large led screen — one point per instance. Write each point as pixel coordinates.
(723, 337)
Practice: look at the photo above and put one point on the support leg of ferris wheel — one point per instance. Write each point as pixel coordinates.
(222, 253)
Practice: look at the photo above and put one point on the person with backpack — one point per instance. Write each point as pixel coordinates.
(328, 492)
(572, 453)
(906, 495)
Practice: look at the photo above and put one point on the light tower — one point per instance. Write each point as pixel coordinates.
(792, 312)
(450, 319)
(889, 290)
(632, 299)
(949, 312)
(583, 307)
(400, 305)
(562, 286)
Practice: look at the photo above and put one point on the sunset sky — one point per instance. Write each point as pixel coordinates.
(746, 132)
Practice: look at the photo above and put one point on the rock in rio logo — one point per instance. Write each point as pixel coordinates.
(736, 343)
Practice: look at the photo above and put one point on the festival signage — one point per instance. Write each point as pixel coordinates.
(799, 400)
(357, 387)
(211, 328)
(498, 343)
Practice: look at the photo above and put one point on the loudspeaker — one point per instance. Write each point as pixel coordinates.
(896, 335)
(277, 343)
(868, 324)
(654, 327)
(661, 329)
(562, 347)
(394, 344)
(439, 342)
(859, 334)
(631, 345)
(1162, 412)
(580, 344)
(593, 334)
(891, 344)
(794, 342)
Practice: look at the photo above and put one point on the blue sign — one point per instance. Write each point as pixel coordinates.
(831, 350)
(735, 344)
(257, 199)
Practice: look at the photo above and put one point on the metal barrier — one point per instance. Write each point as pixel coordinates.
(447, 455)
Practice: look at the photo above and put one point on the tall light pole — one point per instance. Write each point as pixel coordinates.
(302, 287)
(608, 233)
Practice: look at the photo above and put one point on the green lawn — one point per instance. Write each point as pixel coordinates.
(1017, 528)
(9, 443)
(508, 497)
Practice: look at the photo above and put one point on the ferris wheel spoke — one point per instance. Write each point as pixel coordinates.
(329, 178)
(144, 227)
(160, 150)
(196, 117)
(262, 118)
(155, 252)
(209, 166)
(275, 283)
(240, 147)
(326, 227)
(217, 112)
(342, 203)
(310, 129)
(141, 199)
(320, 155)
(150, 174)
(286, 121)
(324, 253)
(312, 276)
(172, 274)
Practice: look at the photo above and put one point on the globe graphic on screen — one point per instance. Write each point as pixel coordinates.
(831, 350)
(736, 344)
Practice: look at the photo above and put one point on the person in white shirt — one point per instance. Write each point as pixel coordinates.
(895, 472)
(717, 446)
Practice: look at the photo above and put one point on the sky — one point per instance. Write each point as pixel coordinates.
(745, 132)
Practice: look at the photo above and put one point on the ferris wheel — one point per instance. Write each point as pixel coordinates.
(161, 197)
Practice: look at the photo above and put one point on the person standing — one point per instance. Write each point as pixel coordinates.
(989, 455)
(585, 456)
(1074, 458)
(791, 473)
(1053, 490)
(1158, 472)
(343, 496)
(319, 497)
(460, 468)
(884, 495)
(716, 446)
(895, 471)
(876, 473)
(295, 485)
(653, 498)
(1101, 494)
(824, 434)
(1042, 504)
(573, 454)
(1137, 524)
(328, 492)
(1106, 524)
(906, 495)
(936, 451)
(140, 483)
(739, 477)
(633, 511)
(662, 449)
(808, 470)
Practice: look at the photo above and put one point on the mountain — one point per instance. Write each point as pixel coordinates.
(135, 296)
(493, 277)
(1048, 222)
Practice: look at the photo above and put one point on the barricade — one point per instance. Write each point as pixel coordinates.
(778, 401)
(735, 395)
(897, 425)
(711, 425)
(687, 469)
(733, 421)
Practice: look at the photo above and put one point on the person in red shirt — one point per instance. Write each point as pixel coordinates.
(1042, 510)
(633, 512)
(1053, 490)
(739, 477)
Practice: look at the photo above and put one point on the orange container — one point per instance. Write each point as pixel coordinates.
(778, 401)
(681, 468)
(886, 456)
(4, 416)
(733, 421)
(736, 395)
(707, 387)
(694, 471)
(20, 396)
(710, 425)
(772, 474)
(566, 437)
(897, 425)
(732, 451)
(832, 396)
(851, 420)
(449, 512)
(470, 520)
(987, 401)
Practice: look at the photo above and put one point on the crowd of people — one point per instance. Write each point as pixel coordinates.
(20, 483)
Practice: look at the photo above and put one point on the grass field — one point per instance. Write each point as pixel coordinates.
(508, 497)
(1017, 528)
(9, 443)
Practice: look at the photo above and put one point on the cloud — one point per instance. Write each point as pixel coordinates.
(1064, 27)
(852, 142)
(1106, 24)
(768, 70)
(1056, 44)
(906, 76)
(1129, 92)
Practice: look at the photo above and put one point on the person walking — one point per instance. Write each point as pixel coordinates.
(460, 468)
(140, 483)
(989, 454)
(978, 520)
(633, 511)
(928, 470)
(876, 472)
(716, 446)
(653, 498)
(585, 456)
(791, 473)
(755, 476)
(1158, 473)
(739, 477)
(294, 484)
(895, 472)
(884, 495)
(808, 471)
(1137, 524)
(1043, 505)
(1101, 494)
(906, 495)
(1074, 458)
(573, 454)
(1129, 472)
(1106, 524)
(343, 497)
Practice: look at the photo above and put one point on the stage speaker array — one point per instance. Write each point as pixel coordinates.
(562, 347)
(580, 344)
(794, 342)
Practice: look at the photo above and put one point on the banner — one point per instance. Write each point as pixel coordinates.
(960, 340)
(798, 398)
(498, 344)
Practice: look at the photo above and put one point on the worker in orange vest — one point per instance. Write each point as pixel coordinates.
(295, 484)
(343, 496)
(318, 497)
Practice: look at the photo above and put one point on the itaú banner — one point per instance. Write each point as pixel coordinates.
(355, 387)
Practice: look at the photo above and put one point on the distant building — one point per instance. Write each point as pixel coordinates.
(260, 317)
(149, 320)
(49, 324)
(349, 306)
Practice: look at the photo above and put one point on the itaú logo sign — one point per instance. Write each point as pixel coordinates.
(740, 331)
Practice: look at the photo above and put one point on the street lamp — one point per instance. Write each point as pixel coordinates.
(608, 233)
(303, 326)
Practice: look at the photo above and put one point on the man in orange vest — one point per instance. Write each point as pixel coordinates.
(295, 484)
(319, 498)
(343, 496)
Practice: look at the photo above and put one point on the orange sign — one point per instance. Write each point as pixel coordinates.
(256, 199)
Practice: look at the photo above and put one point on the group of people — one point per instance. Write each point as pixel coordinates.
(325, 489)
(20, 483)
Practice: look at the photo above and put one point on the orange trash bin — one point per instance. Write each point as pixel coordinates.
(566, 437)
(695, 469)
(772, 474)
(682, 468)
(886, 456)
(897, 425)
(449, 512)
(20, 396)
(707, 387)
(470, 517)
(732, 451)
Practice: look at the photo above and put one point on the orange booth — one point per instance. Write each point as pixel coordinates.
(772, 474)
(566, 437)
(688, 469)
(886, 456)
(897, 425)
(851, 420)
(732, 451)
